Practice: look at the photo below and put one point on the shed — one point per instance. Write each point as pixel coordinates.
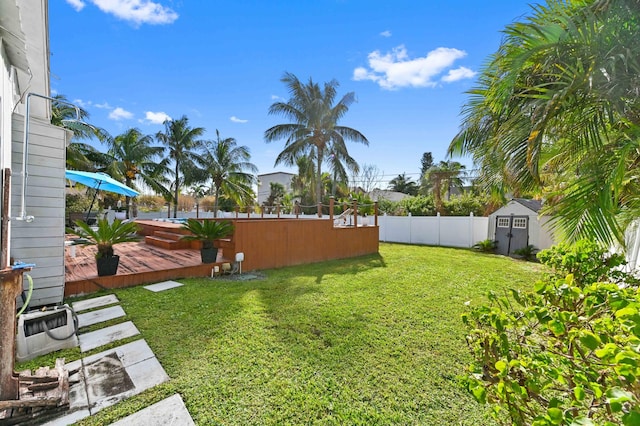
(518, 224)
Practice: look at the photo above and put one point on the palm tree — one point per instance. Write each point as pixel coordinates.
(182, 142)
(132, 156)
(80, 156)
(442, 178)
(560, 99)
(404, 184)
(314, 129)
(227, 165)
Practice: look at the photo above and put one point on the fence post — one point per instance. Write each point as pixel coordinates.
(375, 212)
(439, 226)
(319, 209)
(331, 201)
(470, 229)
(410, 228)
(355, 213)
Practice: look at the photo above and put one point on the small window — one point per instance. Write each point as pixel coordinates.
(520, 222)
(503, 222)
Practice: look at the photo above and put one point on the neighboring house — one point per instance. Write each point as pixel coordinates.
(24, 54)
(265, 180)
(383, 194)
(518, 225)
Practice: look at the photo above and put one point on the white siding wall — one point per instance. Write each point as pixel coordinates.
(264, 184)
(41, 241)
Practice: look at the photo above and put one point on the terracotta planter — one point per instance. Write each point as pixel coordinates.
(107, 265)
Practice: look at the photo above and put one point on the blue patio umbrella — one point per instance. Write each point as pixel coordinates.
(99, 182)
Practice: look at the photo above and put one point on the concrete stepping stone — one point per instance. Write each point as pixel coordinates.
(166, 285)
(170, 411)
(95, 339)
(94, 317)
(96, 302)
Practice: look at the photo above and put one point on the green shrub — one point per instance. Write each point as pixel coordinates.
(566, 353)
(77, 203)
(485, 246)
(465, 204)
(526, 253)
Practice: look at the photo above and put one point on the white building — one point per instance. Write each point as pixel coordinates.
(36, 221)
(265, 180)
(518, 225)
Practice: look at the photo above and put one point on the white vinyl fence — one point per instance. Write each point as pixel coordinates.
(448, 231)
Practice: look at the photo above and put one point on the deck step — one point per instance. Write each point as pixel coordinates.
(166, 243)
(168, 235)
(225, 243)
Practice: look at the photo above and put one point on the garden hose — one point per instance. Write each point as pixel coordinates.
(25, 302)
(75, 325)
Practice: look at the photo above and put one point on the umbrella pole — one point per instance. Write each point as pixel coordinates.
(92, 201)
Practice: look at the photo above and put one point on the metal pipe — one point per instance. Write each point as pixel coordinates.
(25, 153)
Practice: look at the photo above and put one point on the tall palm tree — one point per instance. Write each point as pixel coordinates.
(230, 171)
(314, 129)
(442, 178)
(560, 98)
(182, 143)
(132, 156)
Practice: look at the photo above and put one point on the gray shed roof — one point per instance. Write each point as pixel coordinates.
(534, 205)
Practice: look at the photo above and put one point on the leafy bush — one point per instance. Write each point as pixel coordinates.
(420, 205)
(527, 253)
(465, 204)
(150, 203)
(566, 353)
(485, 246)
(77, 203)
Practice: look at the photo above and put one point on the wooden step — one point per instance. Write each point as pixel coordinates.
(225, 243)
(168, 235)
(165, 243)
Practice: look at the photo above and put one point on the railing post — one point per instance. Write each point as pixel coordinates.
(248, 212)
(319, 209)
(237, 211)
(278, 211)
(355, 213)
(375, 212)
(262, 212)
(331, 202)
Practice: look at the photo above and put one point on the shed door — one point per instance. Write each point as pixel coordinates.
(512, 233)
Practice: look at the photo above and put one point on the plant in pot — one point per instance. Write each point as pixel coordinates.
(105, 236)
(207, 231)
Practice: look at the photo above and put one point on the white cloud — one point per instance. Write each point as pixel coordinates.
(458, 74)
(103, 106)
(156, 117)
(276, 98)
(136, 11)
(81, 103)
(237, 120)
(78, 5)
(386, 33)
(120, 114)
(395, 69)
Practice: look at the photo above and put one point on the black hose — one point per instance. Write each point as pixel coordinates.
(75, 325)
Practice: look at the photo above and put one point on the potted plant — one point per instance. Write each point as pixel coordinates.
(105, 236)
(207, 231)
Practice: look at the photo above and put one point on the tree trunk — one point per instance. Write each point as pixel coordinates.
(215, 203)
(319, 178)
(177, 189)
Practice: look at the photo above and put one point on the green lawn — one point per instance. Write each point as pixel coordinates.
(371, 340)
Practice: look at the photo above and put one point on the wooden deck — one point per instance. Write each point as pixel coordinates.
(140, 263)
(265, 243)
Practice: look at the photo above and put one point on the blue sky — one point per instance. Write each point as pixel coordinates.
(132, 63)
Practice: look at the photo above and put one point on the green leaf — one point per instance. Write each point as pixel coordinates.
(556, 327)
(501, 366)
(589, 340)
(631, 419)
(582, 421)
(626, 312)
(480, 394)
(579, 393)
(555, 415)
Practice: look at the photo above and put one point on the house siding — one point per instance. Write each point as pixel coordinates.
(42, 241)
